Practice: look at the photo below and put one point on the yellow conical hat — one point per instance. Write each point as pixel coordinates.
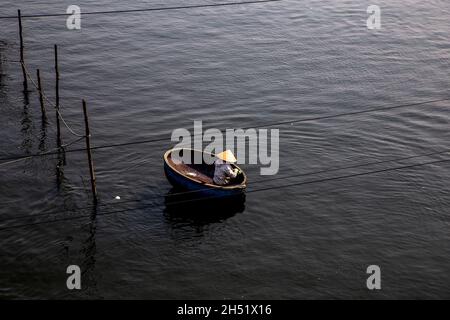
(227, 156)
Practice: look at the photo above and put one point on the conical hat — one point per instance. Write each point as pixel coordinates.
(227, 156)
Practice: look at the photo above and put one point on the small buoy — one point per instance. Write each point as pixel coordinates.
(117, 198)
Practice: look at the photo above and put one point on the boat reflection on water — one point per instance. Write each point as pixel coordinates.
(191, 208)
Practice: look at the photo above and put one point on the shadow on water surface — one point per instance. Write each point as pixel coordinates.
(183, 210)
(89, 250)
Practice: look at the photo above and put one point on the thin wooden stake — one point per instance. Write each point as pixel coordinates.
(41, 96)
(58, 126)
(22, 61)
(89, 152)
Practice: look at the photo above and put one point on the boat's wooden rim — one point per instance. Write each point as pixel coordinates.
(239, 186)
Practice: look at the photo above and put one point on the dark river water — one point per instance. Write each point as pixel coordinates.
(146, 74)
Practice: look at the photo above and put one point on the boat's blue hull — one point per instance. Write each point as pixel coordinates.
(179, 181)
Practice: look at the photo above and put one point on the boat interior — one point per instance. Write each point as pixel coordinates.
(202, 173)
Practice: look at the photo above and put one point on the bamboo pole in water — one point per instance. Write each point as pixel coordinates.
(41, 97)
(61, 151)
(22, 61)
(89, 152)
(58, 126)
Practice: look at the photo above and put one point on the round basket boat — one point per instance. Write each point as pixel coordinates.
(199, 177)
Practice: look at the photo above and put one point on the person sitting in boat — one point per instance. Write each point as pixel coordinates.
(223, 171)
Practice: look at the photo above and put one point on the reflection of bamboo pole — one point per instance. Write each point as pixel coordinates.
(41, 97)
(22, 61)
(89, 152)
(58, 126)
